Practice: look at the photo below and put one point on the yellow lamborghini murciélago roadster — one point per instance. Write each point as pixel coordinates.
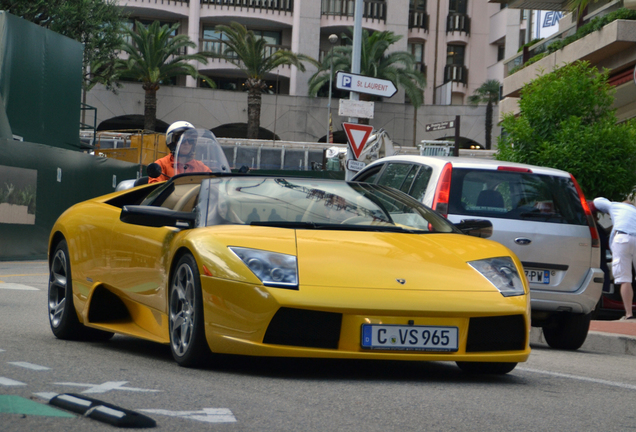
(214, 263)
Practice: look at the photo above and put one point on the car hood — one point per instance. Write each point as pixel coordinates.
(430, 262)
(356, 259)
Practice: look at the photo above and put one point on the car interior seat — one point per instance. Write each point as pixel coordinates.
(490, 198)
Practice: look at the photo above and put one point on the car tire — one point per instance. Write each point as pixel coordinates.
(186, 324)
(569, 332)
(486, 368)
(63, 318)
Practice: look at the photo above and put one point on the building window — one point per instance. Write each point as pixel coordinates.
(455, 54)
(458, 6)
(417, 49)
(417, 5)
(131, 24)
(501, 52)
(213, 40)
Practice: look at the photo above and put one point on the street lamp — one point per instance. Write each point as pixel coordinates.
(333, 38)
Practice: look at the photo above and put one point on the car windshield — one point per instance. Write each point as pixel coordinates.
(515, 195)
(199, 151)
(314, 204)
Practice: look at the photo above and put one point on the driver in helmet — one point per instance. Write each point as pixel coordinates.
(173, 134)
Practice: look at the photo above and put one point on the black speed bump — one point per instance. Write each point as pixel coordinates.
(102, 411)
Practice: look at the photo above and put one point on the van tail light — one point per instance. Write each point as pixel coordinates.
(442, 192)
(596, 242)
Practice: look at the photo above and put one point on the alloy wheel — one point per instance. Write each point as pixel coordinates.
(58, 280)
(182, 309)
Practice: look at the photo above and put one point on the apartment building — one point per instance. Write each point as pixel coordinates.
(613, 48)
(458, 44)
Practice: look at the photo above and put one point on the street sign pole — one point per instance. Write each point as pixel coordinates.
(456, 135)
(355, 68)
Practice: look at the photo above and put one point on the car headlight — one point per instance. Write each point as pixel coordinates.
(502, 273)
(273, 269)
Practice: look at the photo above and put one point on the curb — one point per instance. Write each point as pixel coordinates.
(605, 343)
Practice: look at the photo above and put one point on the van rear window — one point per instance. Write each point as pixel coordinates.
(515, 195)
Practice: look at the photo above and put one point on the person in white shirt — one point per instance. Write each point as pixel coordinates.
(623, 246)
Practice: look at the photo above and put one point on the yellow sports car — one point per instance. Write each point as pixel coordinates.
(279, 266)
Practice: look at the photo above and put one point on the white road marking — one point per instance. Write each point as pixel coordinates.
(28, 365)
(580, 378)
(9, 382)
(105, 387)
(15, 286)
(208, 415)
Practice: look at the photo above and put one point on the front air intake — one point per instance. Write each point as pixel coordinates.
(304, 328)
(501, 333)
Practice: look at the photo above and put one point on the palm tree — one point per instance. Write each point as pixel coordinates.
(155, 56)
(580, 7)
(248, 52)
(487, 93)
(375, 62)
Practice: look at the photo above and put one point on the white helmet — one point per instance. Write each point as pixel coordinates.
(174, 133)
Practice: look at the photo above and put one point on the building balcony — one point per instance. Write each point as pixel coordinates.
(456, 73)
(613, 47)
(374, 10)
(217, 47)
(555, 5)
(164, 10)
(457, 23)
(253, 5)
(418, 20)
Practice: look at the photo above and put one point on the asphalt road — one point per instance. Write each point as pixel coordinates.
(554, 390)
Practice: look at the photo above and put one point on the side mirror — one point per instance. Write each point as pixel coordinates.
(156, 217)
(154, 170)
(475, 227)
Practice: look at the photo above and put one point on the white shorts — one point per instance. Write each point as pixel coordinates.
(623, 257)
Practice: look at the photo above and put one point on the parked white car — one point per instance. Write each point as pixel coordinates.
(538, 213)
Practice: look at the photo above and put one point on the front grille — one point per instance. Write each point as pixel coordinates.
(502, 333)
(306, 328)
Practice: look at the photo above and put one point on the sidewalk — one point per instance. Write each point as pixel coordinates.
(609, 337)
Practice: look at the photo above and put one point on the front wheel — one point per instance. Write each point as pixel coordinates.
(187, 331)
(63, 318)
(568, 332)
(486, 368)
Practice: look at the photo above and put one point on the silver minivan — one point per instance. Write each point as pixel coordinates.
(538, 213)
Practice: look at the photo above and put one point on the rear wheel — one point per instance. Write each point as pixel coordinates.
(568, 332)
(63, 318)
(486, 368)
(187, 331)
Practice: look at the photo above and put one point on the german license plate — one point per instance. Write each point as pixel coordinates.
(409, 337)
(538, 276)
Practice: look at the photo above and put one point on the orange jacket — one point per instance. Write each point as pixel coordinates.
(167, 168)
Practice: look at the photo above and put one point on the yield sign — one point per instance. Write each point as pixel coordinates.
(357, 135)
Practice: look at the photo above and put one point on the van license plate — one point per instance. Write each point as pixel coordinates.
(538, 276)
(409, 337)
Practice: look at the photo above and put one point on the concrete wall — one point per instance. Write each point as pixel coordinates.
(292, 118)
